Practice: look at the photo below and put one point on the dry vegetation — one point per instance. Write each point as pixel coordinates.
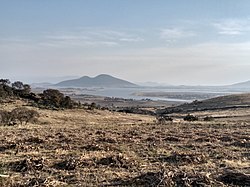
(80, 147)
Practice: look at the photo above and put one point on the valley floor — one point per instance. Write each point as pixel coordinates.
(101, 148)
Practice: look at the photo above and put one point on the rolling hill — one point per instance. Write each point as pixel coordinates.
(241, 85)
(102, 80)
(222, 102)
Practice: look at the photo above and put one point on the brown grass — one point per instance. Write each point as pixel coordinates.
(101, 148)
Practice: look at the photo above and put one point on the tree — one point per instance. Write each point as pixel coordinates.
(5, 89)
(21, 89)
(26, 89)
(52, 97)
(4, 81)
(92, 106)
(67, 102)
(18, 85)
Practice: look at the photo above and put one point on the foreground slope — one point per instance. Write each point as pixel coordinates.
(101, 148)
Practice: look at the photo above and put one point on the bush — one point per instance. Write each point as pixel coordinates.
(190, 117)
(163, 119)
(208, 118)
(23, 114)
(20, 114)
(5, 91)
(92, 106)
(67, 102)
(5, 117)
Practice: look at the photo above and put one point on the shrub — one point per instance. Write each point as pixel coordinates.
(5, 91)
(163, 119)
(4, 81)
(190, 117)
(208, 118)
(5, 117)
(92, 106)
(67, 102)
(20, 114)
(23, 114)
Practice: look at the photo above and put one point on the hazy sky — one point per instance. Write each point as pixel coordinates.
(172, 41)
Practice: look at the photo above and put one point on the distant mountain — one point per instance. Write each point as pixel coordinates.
(102, 80)
(241, 85)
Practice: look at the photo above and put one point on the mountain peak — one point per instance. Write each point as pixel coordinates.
(84, 77)
(103, 75)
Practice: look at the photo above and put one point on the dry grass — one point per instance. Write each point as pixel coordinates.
(101, 148)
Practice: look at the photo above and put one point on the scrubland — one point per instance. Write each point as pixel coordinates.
(79, 147)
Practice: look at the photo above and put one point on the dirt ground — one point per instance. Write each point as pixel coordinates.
(101, 148)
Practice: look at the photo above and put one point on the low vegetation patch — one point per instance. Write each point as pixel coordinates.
(164, 119)
(67, 164)
(18, 115)
(166, 178)
(190, 117)
(117, 161)
(27, 165)
(235, 178)
(184, 158)
(209, 118)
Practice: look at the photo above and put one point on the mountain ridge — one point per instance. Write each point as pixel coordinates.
(102, 80)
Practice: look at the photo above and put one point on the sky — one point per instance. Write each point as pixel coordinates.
(191, 42)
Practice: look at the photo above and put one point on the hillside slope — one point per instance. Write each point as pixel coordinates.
(79, 147)
(223, 102)
(241, 85)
